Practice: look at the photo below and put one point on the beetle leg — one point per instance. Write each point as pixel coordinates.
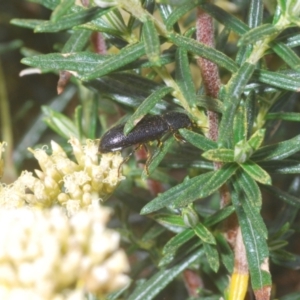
(159, 143)
(124, 161)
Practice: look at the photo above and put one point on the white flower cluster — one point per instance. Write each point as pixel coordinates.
(44, 255)
(48, 252)
(62, 181)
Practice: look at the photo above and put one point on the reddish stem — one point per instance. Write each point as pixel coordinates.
(209, 70)
(98, 42)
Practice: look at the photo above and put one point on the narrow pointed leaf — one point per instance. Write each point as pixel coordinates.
(127, 89)
(149, 289)
(256, 172)
(257, 139)
(60, 123)
(287, 55)
(212, 256)
(225, 252)
(27, 23)
(249, 207)
(251, 110)
(77, 41)
(179, 12)
(222, 16)
(210, 103)
(279, 80)
(284, 166)
(178, 240)
(286, 116)
(151, 42)
(293, 41)
(204, 234)
(255, 15)
(235, 88)
(240, 125)
(204, 51)
(181, 191)
(184, 77)
(278, 151)
(256, 248)
(207, 186)
(146, 107)
(51, 4)
(157, 156)
(250, 188)
(61, 9)
(219, 216)
(258, 33)
(124, 57)
(72, 20)
(170, 220)
(198, 140)
(219, 155)
(80, 62)
(286, 197)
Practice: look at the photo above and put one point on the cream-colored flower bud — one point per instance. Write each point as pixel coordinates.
(44, 160)
(39, 174)
(57, 150)
(77, 150)
(63, 198)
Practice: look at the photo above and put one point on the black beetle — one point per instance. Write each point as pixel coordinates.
(148, 129)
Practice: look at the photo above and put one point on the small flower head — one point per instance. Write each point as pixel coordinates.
(72, 184)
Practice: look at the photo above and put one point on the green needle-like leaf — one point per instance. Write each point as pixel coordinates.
(61, 9)
(188, 190)
(258, 33)
(286, 116)
(287, 54)
(284, 196)
(198, 140)
(278, 151)
(212, 256)
(256, 248)
(204, 234)
(178, 12)
(72, 20)
(228, 20)
(197, 187)
(219, 216)
(250, 188)
(256, 172)
(207, 186)
(178, 240)
(285, 166)
(27, 23)
(51, 4)
(157, 156)
(149, 289)
(170, 220)
(204, 51)
(257, 139)
(219, 155)
(234, 89)
(124, 57)
(184, 76)
(60, 123)
(279, 80)
(77, 41)
(151, 42)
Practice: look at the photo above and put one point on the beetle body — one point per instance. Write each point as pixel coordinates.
(148, 129)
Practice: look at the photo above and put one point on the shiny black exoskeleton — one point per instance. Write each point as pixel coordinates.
(148, 129)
